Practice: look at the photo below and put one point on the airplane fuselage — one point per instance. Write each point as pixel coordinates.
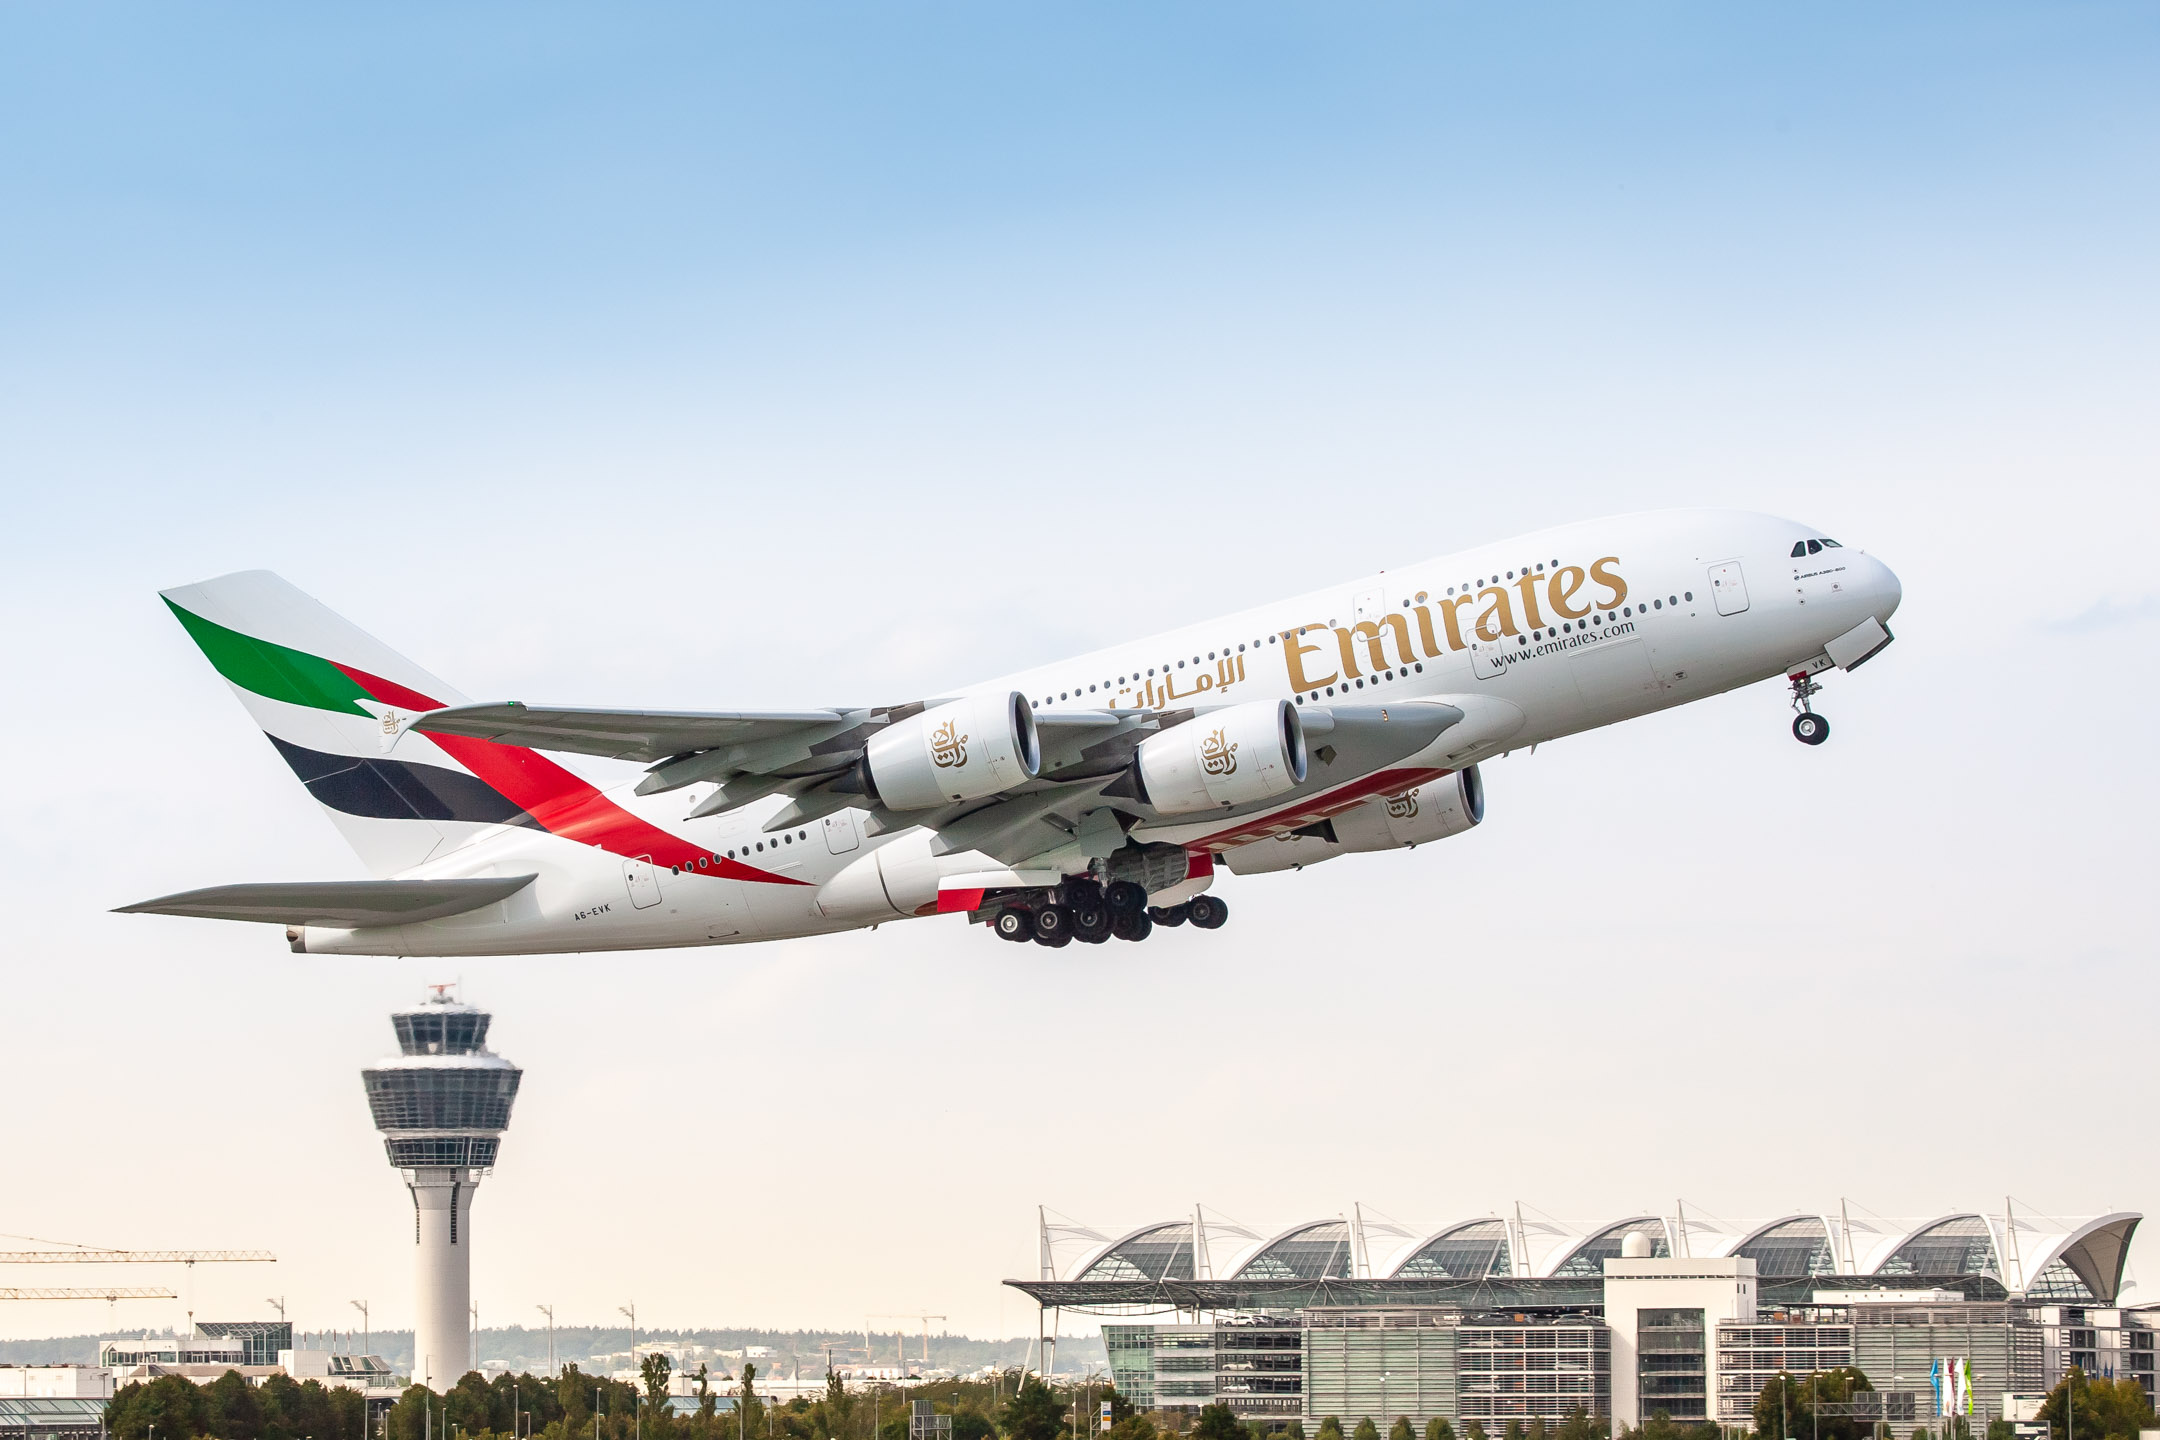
(1533, 639)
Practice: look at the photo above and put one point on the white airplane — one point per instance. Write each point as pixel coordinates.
(1098, 796)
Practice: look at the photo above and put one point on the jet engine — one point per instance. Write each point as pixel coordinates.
(1231, 756)
(1432, 811)
(961, 750)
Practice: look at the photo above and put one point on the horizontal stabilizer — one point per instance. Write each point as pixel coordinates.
(339, 904)
(646, 735)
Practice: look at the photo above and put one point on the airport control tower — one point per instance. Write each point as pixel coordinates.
(442, 1106)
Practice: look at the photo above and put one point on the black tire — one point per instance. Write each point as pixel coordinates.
(1091, 922)
(1810, 729)
(1053, 926)
(1207, 912)
(1173, 916)
(1126, 898)
(1132, 925)
(1015, 924)
(1078, 891)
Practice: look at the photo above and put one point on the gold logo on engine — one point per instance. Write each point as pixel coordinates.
(948, 747)
(1217, 755)
(1403, 806)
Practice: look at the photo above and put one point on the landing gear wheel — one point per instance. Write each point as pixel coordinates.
(1091, 920)
(1173, 916)
(1053, 926)
(1810, 729)
(1126, 897)
(1014, 924)
(1132, 925)
(1207, 912)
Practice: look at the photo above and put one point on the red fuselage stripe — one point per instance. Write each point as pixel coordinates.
(559, 802)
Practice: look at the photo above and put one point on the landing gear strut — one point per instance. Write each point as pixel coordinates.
(1807, 727)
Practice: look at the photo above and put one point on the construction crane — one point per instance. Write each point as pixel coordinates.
(130, 1257)
(914, 1315)
(110, 1292)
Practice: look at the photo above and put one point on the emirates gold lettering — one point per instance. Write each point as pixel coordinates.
(1565, 582)
(1403, 806)
(948, 747)
(1294, 652)
(1218, 756)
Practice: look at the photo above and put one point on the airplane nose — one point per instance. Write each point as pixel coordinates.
(1884, 589)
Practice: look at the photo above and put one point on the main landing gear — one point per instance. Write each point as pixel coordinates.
(1082, 910)
(1807, 727)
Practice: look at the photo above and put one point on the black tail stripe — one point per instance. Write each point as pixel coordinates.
(397, 789)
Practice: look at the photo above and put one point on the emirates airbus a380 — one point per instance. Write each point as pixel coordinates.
(1098, 796)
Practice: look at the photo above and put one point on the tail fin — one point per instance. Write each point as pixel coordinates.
(331, 697)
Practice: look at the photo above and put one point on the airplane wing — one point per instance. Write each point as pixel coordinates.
(647, 735)
(344, 904)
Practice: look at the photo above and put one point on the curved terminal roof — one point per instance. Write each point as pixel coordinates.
(1319, 1250)
(2078, 1259)
(1162, 1251)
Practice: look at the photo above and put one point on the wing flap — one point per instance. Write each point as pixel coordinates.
(341, 904)
(646, 735)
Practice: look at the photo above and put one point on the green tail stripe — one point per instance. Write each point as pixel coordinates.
(273, 671)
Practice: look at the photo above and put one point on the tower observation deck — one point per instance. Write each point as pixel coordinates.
(442, 1105)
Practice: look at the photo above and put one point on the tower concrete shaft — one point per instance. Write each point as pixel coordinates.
(442, 1274)
(442, 1106)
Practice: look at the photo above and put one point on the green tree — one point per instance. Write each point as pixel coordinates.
(2096, 1408)
(1438, 1428)
(1366, 1430)
(1514, 1430)
(655, 1370)
(1577, 1426)
(1295, 1430)
(170, 1405)
(1218, 1422)
(2001, 1430)
(1331, 1428)
(748, 1407)
(1473, 1430)
(1033, 1413)
(1133, 1427)
(469, 1406)
(230, 1409)
(1401, 1430)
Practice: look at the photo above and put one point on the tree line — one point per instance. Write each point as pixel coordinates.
(577, 1406)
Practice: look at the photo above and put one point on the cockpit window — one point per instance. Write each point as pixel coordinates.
(1832, 543)
(1814, 547)
(1799, 548)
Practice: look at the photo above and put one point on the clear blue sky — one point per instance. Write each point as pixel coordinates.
(723, 356)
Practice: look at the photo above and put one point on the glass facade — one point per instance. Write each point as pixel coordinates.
(1790, 1248)
(1317, 1252)
(1751, 1356)
(441, 1099)
(1588, 1259)
(1673, 1369)
(1548, 1370)
(260, 1340)
(421, 1152)
(1161, 1253)
(1960, 1245)
(1467, 1252)
(441, 1030)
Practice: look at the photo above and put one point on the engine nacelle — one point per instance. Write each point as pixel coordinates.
(961, 750)
(1232, 756)
(1432, 811)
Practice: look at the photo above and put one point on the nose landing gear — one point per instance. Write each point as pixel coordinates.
(1807, 727)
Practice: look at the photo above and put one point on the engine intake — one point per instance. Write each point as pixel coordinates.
(1433, 811)
(1232, 756)
(961, 750)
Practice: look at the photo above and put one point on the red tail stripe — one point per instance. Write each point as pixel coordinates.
(558, 801)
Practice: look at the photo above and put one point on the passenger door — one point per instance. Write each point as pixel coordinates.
(840, 834)
(1728, 587)
(642, 881)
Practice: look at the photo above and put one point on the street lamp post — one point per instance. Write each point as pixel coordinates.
(637, 1406)
(367, 1333)
(549, 1311)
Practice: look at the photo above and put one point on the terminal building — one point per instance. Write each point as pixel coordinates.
(1499, 1317)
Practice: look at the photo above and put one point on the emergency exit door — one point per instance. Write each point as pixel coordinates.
(1728, 588)
(643, 884)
